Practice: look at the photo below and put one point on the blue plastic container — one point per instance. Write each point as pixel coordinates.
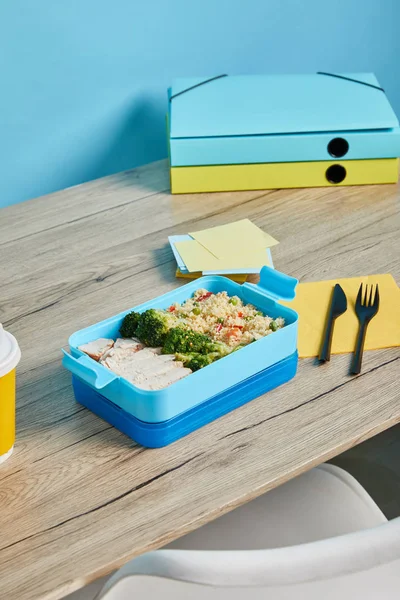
(159, 406)
(156, 435)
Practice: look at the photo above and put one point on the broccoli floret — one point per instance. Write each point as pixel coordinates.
(153, 327)
(219, 348)
(186, 341)
(129, 325)
(240, 346)
(196, 361)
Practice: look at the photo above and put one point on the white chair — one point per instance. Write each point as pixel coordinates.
(317, 536)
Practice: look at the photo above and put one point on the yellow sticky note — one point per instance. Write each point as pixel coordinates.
(312, 303)
(195, 256)
(235, 239)
(238, 277)
(198, 258)
(194, 275)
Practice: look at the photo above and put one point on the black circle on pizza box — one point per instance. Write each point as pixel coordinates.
(338, 147)
(335, 173)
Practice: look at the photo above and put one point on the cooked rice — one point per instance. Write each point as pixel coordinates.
(224, 318)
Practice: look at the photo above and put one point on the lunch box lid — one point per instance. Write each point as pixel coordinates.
(10, 353)
(238, 105)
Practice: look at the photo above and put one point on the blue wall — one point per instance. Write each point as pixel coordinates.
(83, 82)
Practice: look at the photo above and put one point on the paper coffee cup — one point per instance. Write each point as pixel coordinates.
(10, 355)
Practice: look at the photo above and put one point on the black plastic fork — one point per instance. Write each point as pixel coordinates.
(367, 305)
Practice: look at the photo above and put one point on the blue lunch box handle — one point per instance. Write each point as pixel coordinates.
(88, 370)
(274, 284)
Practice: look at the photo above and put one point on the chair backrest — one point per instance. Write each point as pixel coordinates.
(365, 563)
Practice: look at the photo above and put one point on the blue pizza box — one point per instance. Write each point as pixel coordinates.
(227, 120)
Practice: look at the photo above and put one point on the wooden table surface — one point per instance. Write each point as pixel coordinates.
(78, 498)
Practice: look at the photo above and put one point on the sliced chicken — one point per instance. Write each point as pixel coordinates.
(150, 369)
(147, 353)
(119, 356)
(162, 358)
(97, 348)
(109, 352)
(127, 364)
(125, 347)
(129, 344)
(155, 365)
(165, 380)
(145, 367)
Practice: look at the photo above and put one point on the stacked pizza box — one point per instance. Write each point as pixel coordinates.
(255, 132)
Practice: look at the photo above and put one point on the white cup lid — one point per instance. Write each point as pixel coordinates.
(10, 353)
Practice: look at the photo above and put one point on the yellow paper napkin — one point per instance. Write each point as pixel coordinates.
(240, 238)
(312, 304)
(198, 258)
(238, 278)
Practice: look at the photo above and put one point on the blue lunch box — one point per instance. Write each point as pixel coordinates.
(157, 418)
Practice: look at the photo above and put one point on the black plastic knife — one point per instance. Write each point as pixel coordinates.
(338, 307)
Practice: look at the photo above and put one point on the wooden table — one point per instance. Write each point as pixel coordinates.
(78, 498)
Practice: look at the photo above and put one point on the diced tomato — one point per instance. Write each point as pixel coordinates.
(232, 333)
(218, 327)
(172, 308)
(204, 296)
(240, 314)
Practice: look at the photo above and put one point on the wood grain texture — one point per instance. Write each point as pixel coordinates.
(78, 498)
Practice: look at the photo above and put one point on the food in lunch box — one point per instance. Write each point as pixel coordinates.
(225, 318)
(145, 367)
(129, 325)
(97, 348)
(166, 345)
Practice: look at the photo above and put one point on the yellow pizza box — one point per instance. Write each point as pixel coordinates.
(222, 178)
